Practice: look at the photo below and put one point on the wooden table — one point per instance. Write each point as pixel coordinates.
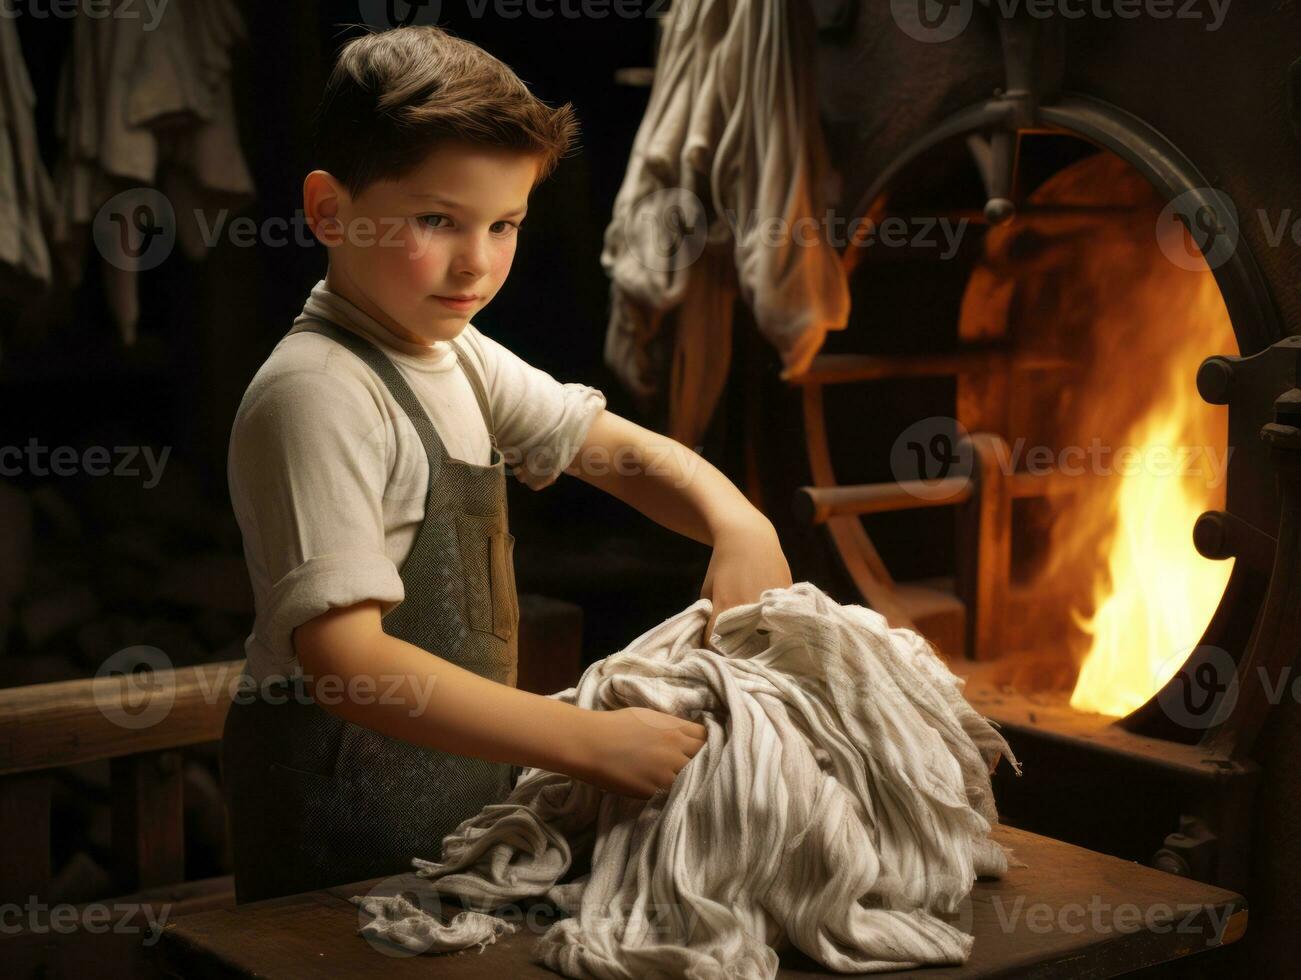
(1069, 913)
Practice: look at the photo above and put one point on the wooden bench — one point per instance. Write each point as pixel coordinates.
(1069, 913)
(142, 726)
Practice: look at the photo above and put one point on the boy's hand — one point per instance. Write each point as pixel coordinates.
(638, 751)
(747, 561)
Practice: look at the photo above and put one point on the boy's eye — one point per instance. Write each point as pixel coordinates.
(441, 220)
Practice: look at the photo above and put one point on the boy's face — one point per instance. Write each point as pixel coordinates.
(448, 229)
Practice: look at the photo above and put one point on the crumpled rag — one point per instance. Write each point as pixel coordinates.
(841, 805)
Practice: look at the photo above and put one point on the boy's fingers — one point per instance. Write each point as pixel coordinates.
(696, 731)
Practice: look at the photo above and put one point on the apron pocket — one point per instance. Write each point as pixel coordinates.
(475, 534)
(505, 601)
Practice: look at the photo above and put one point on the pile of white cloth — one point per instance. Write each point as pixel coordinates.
(841, 805)
(146, 100)
(729, 153)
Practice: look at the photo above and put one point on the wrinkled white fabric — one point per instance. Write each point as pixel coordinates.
(732, 124)
(842, 802)
(146, 100)
(26, 194)
(399, 922)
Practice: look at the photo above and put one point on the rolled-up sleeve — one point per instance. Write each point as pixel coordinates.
(308, 461)
(541, 422)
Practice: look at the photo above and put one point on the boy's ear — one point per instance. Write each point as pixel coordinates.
(325, 202)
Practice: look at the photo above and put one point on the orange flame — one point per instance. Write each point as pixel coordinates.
(1156, 593)
(1117, 584)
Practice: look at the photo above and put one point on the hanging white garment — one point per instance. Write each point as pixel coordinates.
(144, 104)
(26, 194)
(841, 805)
(730, 150)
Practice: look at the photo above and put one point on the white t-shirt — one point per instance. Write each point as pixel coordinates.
(328, 477)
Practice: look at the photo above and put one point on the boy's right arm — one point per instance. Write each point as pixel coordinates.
(400, 690)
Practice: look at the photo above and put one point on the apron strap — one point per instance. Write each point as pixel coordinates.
(476, 382)
(377, 361)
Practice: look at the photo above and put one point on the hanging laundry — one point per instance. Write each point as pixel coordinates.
(841, 805)
(729, 157)
(147, 101)
(26, 193)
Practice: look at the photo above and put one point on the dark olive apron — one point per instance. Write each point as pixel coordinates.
(314, 800)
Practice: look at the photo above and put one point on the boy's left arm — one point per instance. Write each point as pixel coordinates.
(679, 489)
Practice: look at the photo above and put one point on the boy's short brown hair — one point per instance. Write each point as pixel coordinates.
(394, 95)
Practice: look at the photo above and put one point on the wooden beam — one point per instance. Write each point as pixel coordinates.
(985, 549)
(828, 369)
(817, 505)
(48, 726)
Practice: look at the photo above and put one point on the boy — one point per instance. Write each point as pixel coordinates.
(367, 474)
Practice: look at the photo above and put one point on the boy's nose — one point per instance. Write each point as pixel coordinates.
(472, 258)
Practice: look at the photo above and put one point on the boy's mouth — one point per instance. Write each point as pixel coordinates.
(463, 302)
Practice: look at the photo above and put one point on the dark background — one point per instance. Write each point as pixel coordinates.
(100, 564)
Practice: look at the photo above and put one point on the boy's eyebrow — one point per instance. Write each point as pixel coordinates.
(447, 202)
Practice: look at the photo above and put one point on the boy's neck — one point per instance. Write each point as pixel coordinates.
(342, 286)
